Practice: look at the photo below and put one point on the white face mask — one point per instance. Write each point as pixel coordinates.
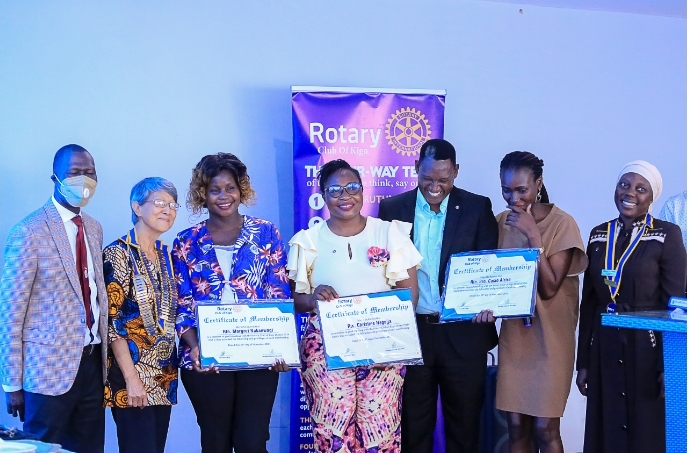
(77, 190)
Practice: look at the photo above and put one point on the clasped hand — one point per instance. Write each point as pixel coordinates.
(327, 293)
(196, 362)
(136, 392)
(324, 292)
(15, 404)
(523, 221)
(484, 316)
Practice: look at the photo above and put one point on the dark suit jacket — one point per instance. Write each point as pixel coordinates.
(470, 225)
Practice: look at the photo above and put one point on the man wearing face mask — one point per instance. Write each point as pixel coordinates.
(53, 313)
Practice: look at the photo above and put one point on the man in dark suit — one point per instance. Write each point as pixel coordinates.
(446, 220)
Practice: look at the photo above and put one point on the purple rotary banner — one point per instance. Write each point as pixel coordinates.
(379, 132)
(301, 437)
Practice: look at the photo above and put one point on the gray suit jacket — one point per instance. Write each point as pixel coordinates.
(41, 304)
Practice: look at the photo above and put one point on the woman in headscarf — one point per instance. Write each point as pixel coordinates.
(636, 263)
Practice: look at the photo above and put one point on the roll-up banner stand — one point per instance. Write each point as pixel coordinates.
(379, 131)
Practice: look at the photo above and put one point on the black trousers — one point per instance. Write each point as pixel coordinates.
(233, 408)
(75, 419)
(142, 430)
(461, 381)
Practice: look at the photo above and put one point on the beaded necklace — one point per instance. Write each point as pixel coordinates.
(154, 291)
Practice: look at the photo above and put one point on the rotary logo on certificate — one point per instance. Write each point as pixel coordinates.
(378, 328)
(247, 336)
(504, 281)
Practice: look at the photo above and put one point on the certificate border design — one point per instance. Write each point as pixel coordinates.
(529, 254)
(337, 363)
(285, 306)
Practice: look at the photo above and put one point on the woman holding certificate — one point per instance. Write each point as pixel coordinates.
(636, 263)
(354, 409)
(227, 258)
(535, 366)
(141, 386)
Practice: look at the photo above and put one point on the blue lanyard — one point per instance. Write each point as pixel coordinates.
(612, 273)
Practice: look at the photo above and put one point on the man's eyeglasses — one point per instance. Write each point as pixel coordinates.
(352, 188)
(163, 204)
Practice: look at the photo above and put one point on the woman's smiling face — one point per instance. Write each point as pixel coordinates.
(633, 196)
(519, 187)
(347, 205)
(223, 195)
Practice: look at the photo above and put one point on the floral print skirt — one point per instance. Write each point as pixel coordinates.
(355, 410)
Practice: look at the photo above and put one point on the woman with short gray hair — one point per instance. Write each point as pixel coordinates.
(142, 296)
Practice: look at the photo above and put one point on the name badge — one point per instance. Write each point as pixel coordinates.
(608, 272)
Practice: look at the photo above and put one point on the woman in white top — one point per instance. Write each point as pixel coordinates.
(358, 408)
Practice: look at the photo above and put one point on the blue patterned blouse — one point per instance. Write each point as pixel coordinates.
(258, 270)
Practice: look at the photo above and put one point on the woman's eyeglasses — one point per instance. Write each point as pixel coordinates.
(163, 204)
(352, 188)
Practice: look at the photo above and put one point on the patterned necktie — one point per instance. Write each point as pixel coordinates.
(83, 270)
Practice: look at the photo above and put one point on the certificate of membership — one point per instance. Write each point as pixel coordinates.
(377, 328)
(248, 335)
(504, 281)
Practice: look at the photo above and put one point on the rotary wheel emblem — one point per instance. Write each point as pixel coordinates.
(407, 130)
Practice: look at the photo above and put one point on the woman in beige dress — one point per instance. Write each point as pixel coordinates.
(535, 366)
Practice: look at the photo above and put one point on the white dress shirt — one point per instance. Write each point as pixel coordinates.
(675, 211)
(226, 256)
(71, 230)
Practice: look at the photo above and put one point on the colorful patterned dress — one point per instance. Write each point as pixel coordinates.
(142, 298)
(233, 408)
(357, 409)
(258, 270)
